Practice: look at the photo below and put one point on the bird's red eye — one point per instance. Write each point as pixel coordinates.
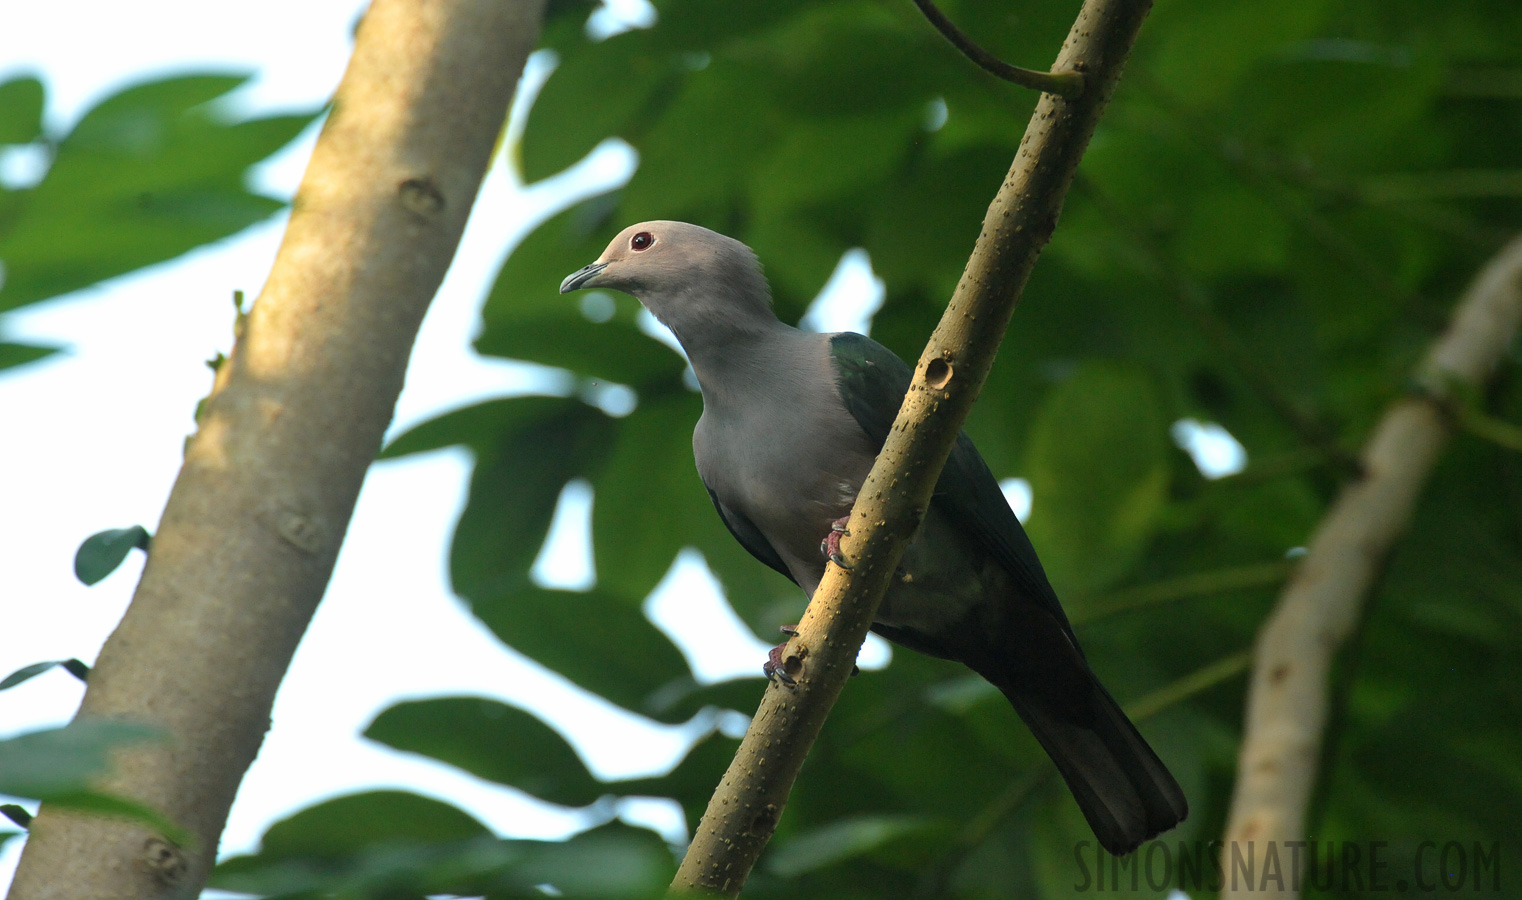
(642, 241)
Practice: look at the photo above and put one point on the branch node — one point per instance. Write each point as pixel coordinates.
(421, 197)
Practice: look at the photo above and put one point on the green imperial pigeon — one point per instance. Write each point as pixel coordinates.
(792, 422)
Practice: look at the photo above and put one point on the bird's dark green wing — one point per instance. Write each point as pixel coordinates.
(872, 382)
(750, 537)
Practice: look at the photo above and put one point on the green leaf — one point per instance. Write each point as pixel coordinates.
(352, 823)
(493, 741)
(1098, 468)
(650, 469)
(613, 862)
(21, 105)
(62, 761)
(12, 354)
(1202, 51)
(57, 766)
(615, 350)
(515, 488)
(591, 96)
(844, 839)
(145, 176)
(600, 641)
(103, 551)
(479, 426)
(692, 782)
(25, 673)
(529, 282)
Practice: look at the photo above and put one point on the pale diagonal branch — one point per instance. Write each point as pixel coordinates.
(1287, 701)
(748, 802)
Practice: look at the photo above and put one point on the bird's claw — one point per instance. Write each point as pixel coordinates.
(830, 546)
(775, 667)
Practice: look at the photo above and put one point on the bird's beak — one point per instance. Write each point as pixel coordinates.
(581, 277)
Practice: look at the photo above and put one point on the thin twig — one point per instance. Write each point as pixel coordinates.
(1184, 587)
(1068, 84)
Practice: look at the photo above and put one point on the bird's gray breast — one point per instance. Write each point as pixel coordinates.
(790, 457)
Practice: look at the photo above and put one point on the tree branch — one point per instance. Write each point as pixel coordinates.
(256, 517)
(748, 802)
(1067, 83)
(1287, 700)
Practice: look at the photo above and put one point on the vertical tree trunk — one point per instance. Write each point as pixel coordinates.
(254, 523)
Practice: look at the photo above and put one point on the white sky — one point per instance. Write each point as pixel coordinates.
(93, 440)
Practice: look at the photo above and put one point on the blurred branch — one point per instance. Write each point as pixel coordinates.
(1287, 700)
(1451, 184)
(1193, 300)
(1067, 84)
(1008, 802)
(745, 808)
(1481, 82)
(1184, 587)
(1487, 427)
(256, 517)
(1267, 468)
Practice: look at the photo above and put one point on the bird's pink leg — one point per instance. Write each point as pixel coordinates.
(830, 546)
(775, 668)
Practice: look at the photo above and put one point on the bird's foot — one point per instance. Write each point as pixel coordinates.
(776, 668)
(830, 546)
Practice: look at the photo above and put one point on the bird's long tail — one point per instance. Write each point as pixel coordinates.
(1125, 792)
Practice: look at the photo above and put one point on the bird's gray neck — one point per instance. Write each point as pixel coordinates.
(735, 363)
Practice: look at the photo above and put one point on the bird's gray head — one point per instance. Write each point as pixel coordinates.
(699, 282)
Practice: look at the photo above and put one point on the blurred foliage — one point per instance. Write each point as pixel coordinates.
(1276, 215)
(59, 766)
(1274, 219)
(147, 174)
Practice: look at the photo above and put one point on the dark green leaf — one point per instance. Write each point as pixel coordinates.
(841, 840)
(613, 862)
(515, 488)
(479, 426)
(493, 741)
(17, 814)
(1098, 468)
(25, 673)
(598, 640)
(103, 551)
(575, 110)
(650, 469)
